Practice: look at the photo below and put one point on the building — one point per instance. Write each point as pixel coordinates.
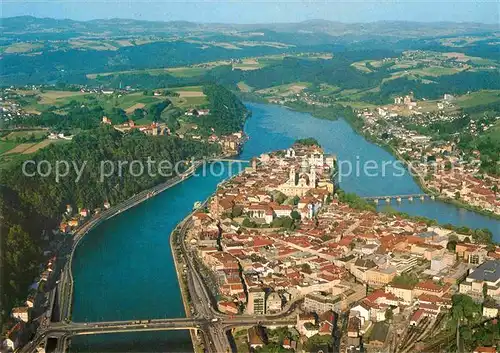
(485, 350)
(273, 302)
(485, 279)
(319, 302)
(380, 276)
(491, 310)
(299, 183)
(20, 313)
(256, 301)
(255, 336)
(403, 292)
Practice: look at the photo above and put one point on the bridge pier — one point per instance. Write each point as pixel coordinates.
(398, 199)
(387, 200)
(422, 198)
(375, 201)
(410, 198)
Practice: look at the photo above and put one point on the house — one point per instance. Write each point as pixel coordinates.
(417, 316)
(362, 311)
(353, 327)
(228, 307)
(485, 350)
(430, 287)
(401, 291)
(306, 324)
(84, 212)
(289, 344)
(491, 309)
(13, 337)
(255, 336)
(64, 227)
(106, 120)
(20, 313)
(107, 205)
(327, 322)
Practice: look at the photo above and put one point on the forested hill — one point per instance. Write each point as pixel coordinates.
(227, 112)
(30, 204)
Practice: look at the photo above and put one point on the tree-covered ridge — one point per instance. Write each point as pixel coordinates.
(227, 112)
(31, 204)
(93, 147)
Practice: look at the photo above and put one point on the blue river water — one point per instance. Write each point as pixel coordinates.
(124, 268)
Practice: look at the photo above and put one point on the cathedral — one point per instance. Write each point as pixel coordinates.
(299, 183)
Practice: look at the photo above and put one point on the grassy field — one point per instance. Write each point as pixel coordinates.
(187, 71)
(200, 69)
(6, 146)
(243, 87)
(18, 48)
(285, 90)
(37, 134)
(477, 98)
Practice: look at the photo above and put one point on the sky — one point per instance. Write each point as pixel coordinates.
(260, 11)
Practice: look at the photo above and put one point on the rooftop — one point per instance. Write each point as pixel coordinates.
(488, 271)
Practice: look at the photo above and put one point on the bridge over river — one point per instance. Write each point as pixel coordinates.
(399, 198)
(62, 331)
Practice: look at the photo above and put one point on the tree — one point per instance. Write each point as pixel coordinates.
(248, 223)
(389, 314)
(279, 197)
(237, 211)
(485, 290)
(457, 195)
(295, 215)
(309, 141)
(405, 278)
(306, 268)
(452, 244)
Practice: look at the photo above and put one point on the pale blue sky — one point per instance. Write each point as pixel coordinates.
(246, 11)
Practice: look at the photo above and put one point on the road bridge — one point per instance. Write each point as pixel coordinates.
(398, 198)
(229, 160)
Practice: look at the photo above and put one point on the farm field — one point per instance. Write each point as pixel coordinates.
(251, 63)
(6, 146)
(285, 90)
(15, 135)
(478, 98)
(243, 87)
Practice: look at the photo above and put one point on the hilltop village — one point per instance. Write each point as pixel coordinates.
(279, 236)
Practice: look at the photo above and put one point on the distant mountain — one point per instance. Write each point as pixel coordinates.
(19, 26)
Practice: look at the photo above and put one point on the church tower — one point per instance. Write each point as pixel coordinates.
(292, 177)
(313, 177)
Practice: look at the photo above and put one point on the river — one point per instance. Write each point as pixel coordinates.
(124, 269)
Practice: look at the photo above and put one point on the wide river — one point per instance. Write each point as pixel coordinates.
(124, 268)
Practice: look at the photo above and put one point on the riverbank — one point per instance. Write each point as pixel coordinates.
(356, 125)
(180, 280)
(421, 183)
